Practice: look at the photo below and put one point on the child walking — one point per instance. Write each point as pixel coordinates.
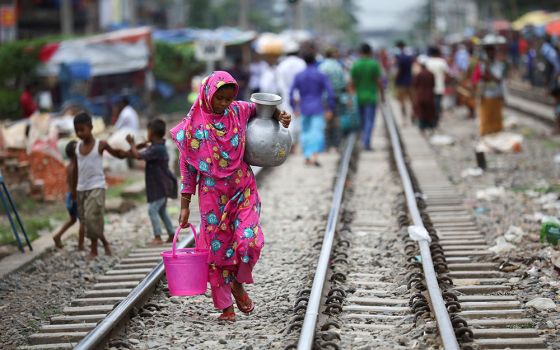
(160, 181)
(71, 204)
(211, 141)
(89, 181)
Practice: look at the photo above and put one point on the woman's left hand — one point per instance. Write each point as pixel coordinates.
(284, 119)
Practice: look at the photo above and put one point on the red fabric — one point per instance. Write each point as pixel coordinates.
(27, 104)
(476, 75)
(523, 46)
(553, 28)
(48, 51)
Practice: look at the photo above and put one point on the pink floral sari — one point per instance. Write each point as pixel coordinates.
(211, 148)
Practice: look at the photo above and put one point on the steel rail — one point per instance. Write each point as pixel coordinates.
(442, 316)
(105, 326)
(307, 333)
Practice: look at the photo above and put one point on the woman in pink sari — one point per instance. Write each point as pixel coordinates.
(211, 142)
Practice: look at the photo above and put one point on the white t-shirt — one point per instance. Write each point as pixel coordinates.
(128, 118)
(268, 82)
(438, 66)
(286, 72)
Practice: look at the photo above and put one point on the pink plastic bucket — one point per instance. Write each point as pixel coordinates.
(186, 268)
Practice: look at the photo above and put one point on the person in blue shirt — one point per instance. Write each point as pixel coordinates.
(312, 85)
(403, 79)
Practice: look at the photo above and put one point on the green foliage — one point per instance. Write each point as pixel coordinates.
(9, 103)
(19, 62)
(175, 64)
(32, 227)
(338, 21)
(213, 14)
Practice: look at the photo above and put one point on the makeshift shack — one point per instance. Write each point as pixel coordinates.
(95, 71)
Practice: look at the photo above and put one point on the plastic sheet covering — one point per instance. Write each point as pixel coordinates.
(120, 51)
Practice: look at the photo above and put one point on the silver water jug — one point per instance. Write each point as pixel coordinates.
(267, 142)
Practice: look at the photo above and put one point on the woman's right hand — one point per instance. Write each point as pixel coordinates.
(184, 217)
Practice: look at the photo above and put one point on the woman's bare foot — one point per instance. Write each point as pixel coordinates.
(81, 247)
(91, 256)
(108, 251)
(58, 242)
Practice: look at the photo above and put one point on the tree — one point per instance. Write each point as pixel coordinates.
(19, 63)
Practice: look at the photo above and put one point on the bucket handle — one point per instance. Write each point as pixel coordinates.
(177, 235)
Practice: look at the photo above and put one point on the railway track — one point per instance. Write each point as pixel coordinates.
(483, 285)
(536, 104)
(367, 283)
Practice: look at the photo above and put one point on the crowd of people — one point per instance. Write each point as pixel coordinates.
(471, 74)
(322, 90)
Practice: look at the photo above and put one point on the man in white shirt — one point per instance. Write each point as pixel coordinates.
(127, 116)
(286, 72)
(439, 68)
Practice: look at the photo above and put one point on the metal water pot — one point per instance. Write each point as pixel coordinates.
(267, 142)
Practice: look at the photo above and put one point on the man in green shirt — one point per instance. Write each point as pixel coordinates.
(366, 83)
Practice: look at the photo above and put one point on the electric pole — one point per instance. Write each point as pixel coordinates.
(66, 17)
(243, 15)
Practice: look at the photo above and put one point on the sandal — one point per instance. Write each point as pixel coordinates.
(227, 316)
(244, 303)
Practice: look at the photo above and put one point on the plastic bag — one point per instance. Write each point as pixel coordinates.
(349, 116)
(550, 230)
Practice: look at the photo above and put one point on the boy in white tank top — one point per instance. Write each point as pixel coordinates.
(89, 181)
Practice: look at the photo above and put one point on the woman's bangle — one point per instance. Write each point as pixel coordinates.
(184, 196)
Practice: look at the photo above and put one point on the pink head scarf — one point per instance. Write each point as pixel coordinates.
(213, 143)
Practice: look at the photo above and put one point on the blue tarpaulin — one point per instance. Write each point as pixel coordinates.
(228, 35)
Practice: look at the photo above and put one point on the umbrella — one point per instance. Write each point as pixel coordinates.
(553, 28)
(492, 39)
(500, 25)
(535, 18)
